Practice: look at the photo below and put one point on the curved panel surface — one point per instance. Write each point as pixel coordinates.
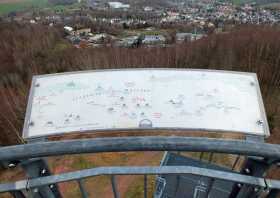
(209, 100)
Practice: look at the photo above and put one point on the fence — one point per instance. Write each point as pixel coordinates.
(249, 182)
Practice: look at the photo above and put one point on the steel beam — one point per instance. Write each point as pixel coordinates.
(253, 166)
(145, 186)
(162, 170)
(35, 168)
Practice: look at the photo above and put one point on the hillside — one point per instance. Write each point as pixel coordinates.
(246, 48)
(250, 48)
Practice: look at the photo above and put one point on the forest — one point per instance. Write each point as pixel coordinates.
(27, 50)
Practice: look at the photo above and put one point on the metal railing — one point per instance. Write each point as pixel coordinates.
(267, 154)
(150, 143)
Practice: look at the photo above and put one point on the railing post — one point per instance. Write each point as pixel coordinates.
(114, 187)
(209, 187)
(38, 167)
(235, 162)
(273, 193)
(201, 156)
(253, 166)
(211, 157)
(17, 194)
(82, 188)
(145, 186)
(10, 165)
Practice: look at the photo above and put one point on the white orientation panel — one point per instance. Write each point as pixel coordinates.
(207, 100)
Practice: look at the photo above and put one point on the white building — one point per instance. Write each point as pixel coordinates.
(32, 21)
(118, 5)
(68, 29)
(153, 39)
(97, 37)
(181, 37)
(148, 9)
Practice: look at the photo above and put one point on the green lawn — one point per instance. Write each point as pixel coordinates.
(238, 2)
(22, 5)
(5, 8)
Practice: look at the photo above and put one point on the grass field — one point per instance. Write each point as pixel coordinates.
(274, 6)
(259, 2)
(7, 6)
(238, 2)
(17, 5)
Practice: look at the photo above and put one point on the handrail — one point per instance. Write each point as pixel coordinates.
(148, 143)
(138, 170)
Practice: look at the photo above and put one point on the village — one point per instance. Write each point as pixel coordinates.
(95, 23)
